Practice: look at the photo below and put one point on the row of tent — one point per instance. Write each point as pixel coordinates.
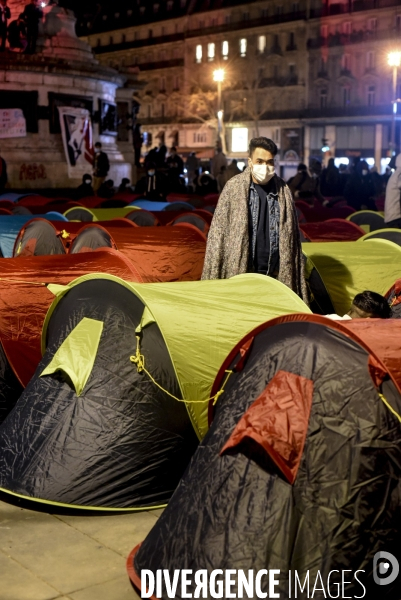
(272, 433)
(279, 427)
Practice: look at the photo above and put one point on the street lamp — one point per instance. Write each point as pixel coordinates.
(218, 76)
(394, 60)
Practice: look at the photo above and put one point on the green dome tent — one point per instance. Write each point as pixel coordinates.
(348, 268)
(117, 404)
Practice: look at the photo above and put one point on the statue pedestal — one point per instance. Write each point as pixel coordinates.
(64, 66)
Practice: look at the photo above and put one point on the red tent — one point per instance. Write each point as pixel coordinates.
(158, 253)
(333, 230)
(25, 298)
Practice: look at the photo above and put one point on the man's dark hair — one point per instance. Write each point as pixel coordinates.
(262, 142)
(302, 167)
(373, 303)
(98, 145)
(87, 176)
(173, 149)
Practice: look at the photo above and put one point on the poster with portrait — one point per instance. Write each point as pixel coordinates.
(76, 131)
(12, 123)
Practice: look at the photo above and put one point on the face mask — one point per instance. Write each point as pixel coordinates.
(364, 172)
(314, 175)
(151, 173)
(262, 173)
(87, 181)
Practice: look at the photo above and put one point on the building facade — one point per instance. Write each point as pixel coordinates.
(307, 73)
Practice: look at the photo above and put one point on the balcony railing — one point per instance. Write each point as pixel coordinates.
(350, 7)
(356, 37)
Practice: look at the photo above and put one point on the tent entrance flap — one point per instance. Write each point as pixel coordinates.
(76, 355)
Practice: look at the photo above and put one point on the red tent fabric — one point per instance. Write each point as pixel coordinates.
(333, 230)
(158, 253)
(25, 299)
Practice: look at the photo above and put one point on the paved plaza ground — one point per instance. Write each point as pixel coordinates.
(49, 557)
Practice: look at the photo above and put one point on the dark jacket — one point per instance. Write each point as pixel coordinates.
(3, 174)
(101, 165)
(5, 14)
(32, 16)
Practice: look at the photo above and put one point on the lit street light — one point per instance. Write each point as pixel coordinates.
(218, 76)
(394, 60)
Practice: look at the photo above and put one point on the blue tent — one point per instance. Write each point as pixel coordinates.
(150, 204)
(13, 197)
(10, 227)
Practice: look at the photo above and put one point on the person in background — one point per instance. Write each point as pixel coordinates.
(106, 190)
(255, 225)
(153, 185)
(5, 14)
(232, 169)
(175, 166)
(377, 181)
(359, 190)
(160, 155)
(330, 180)
(366, 305)
(205, 184)
(85, 189)
(32, 15)
(305, 186)
(219, 160)
(125, 186)
(137, 139)
(3, 174)
(192, 165)
(101, 167)
(392, 204)
(17, 35)
(222, 179)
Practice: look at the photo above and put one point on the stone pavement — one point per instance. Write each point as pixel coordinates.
(58, 557)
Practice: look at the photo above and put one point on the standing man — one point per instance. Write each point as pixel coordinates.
(32, 15)
(101, 167)
(392, 204)
(255, 226)
(5, 14)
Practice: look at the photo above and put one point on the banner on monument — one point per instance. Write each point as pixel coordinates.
(76, 130)
(12, 123)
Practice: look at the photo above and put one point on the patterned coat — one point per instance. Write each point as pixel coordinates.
(227, 250)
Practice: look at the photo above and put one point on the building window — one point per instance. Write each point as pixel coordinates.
(129, 12)
(201, 25)
(398, 22)
(291, 41)
(213, 23)
(149, 111)
(225, 49)
(111, 40)
(347, 28)
(324, 30)
(123, 38)
(346, 62)
(371, 95)
(162, 110)
(183, 3)
(264, 12)
(295, 7)
(370, 60)
(227, 19)
(156, 8)
(162, 84)
(372, 25)
(200, 138)
(211, 51)
(346, 95)
(245, 16)
(99, 42)
(176, 83)
(323, 65)
(292, 69)
(150, 33)
(199, 53)
(242, 46)
(261, 44)
(323, 98)
(279, 10)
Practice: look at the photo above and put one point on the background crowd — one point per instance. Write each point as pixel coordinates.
(21, 33)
